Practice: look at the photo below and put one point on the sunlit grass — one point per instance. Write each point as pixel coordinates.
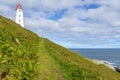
(25, 56)
(76, 67)
(18, 51)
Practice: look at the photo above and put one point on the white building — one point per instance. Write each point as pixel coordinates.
(19, 15)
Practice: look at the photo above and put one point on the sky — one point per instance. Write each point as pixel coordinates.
(70, 23)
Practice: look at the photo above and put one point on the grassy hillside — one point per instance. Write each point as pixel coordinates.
(75, 67)
(18, 51)
(25, 56)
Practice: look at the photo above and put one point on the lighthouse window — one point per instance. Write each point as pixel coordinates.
(19, 15)
(19, 10)
(19, 20)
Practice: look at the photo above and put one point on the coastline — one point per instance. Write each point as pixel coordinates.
(107, 64)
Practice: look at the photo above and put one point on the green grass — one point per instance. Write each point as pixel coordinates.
(18, 51)
(47, 68)
(25, 56)
(76, 67)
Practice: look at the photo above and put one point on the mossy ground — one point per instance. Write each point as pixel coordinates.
(25, 56)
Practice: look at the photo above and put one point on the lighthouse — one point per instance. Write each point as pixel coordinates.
(19, 15)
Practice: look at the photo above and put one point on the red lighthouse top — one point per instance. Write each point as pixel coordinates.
(18, 6)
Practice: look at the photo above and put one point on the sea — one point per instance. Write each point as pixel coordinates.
(112, 56)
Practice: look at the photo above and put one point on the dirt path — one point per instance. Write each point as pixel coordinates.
(47, 69)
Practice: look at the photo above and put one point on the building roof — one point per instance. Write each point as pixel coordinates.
(18, 6)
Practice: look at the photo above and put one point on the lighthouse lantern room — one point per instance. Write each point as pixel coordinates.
(19, 15)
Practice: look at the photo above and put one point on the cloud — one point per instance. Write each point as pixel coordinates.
(73, 23)
(6, 11)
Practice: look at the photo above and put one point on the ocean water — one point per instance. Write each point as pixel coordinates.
(110, 55)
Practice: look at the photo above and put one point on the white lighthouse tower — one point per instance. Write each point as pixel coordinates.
(19, 15)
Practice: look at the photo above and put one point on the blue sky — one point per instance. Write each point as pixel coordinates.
(71, 23)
